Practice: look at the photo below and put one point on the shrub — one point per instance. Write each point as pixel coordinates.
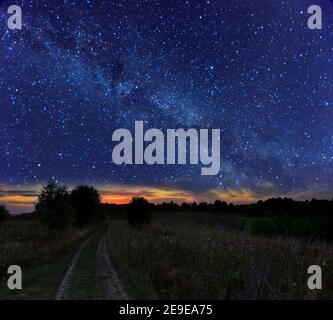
(54, 206)
(86, 203)
(263, 227)
(4, 213)
(139, 213)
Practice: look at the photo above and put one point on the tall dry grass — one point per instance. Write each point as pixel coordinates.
(30, 242)
(171, 260)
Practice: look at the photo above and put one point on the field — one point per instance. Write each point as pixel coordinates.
(43, 257)
(179, 256)
(192, 256)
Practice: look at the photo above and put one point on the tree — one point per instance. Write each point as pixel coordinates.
(54, 206)
(139, 213)
(86, 203)
(4, 213)
(220, 206)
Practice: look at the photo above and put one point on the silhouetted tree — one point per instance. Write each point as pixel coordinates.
(86, 203)
(139, 213)
(231, 208)
(220, 206)
(4, 213)
(194, 206)
(185, 207)
(272, 217)
(54, 206)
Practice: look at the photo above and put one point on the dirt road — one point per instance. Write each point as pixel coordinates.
(113, 288)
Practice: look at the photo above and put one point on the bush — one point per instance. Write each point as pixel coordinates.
(54, 206)
(86, 203)
(4, 213)
(263, 227)
(139, 213)
(308, 227)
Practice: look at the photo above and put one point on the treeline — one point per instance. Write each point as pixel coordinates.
(272, 217)
(269, 207)
(275, 216)
(60, 209)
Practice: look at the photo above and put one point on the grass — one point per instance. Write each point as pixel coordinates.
(185, 257)
(43, 258)
(87, 282)
(40, 282)
(30, 243)
(44, 261)
(179, 256)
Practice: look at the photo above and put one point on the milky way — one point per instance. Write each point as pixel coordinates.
(78, 70)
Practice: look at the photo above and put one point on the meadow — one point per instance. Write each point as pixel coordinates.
(179, 255)
(195, 256)
(42, 256)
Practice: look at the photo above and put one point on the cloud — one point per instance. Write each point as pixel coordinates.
(238, 196)
(124, 194)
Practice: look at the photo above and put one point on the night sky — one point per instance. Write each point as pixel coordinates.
(78, 70)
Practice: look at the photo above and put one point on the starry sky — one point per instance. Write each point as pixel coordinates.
(78, 70)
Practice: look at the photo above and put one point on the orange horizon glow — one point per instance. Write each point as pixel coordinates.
(152, 194)
(19, 200)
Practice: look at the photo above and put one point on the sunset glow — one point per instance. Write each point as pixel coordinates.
(23, 199)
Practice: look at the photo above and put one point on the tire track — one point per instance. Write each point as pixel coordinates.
(66, 281)
(113, 287)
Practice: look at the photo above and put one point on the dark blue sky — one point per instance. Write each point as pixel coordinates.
(81, 69)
